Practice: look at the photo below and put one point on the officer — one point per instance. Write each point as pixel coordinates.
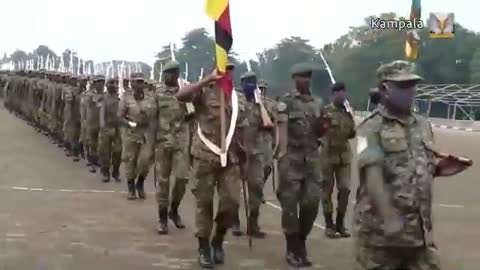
(397, 164)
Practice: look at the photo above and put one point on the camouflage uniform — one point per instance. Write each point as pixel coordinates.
(83, 123)
(400, 148)
(300, 178)
(172, 151)
(139, 141)
(208, 174)
(92, 104)
(109, 140)
(336, 158)
(70, 114)
(258, 144)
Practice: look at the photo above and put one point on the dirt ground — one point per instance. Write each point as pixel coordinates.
(55, 215)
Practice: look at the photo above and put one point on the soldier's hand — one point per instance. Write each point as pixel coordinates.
(393, 225)
(214, 76)
(451, 165)
(325, 124)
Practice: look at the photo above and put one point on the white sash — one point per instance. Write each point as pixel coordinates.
(233, 121)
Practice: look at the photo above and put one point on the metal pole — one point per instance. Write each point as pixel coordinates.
(448, 112)
(454, 117)
(429, 108)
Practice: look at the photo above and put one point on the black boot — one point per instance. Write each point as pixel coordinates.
(81, 150)
(140, 187)
(254, 230)
(340, 226)
(116, 174)
(68, 149)
(217, 246)
(162, 221)
(204, 254)
(131, 190)
(302, 251)
(236, 231)
(105, 175)
(292, 255)
(175, 217)
(329, 226)
(76, 153)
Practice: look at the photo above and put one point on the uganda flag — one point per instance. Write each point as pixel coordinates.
(413, 39)
(219, 11)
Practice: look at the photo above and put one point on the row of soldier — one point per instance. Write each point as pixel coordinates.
(152, 125)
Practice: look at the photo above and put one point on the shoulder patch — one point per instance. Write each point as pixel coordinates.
(281, 106)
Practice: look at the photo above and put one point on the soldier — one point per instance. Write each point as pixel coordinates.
(70, 113)
(109, 141)
(93, 119)
(268, 146)
(256, 141)
(300, 125)
(83, 118)
(172, 148)
(138, 113)
(207, 173)
(396, 163)
(336, 158)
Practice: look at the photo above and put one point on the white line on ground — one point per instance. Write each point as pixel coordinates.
(116, 191)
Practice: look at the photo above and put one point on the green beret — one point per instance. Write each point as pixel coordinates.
(248, 74)
(301, 68)
(97, 78)
(137, 76)
(171, 65)
(262, 83)
(397, 71)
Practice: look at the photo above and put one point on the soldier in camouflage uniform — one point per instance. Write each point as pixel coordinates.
(207, 172)
(336, 158)
(109, 141)
(70, 113)
(258, 144)
(299, 116)
(172, 148)
(138, 114)
(83, 118)
(396, 163)
(267, 147)
(93, 119)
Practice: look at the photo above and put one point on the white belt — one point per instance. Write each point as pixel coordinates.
(233, 120)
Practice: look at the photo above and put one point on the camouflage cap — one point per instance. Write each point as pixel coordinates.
(248, 74)
(97, 78)
(137, 76)
(112, 80)
(262, 83)
(83, 78)
(300, 68)
(397, 71)
(171, 65)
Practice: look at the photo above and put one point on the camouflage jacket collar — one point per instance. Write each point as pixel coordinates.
(410, 119)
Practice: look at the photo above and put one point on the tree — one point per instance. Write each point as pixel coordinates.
(44, 50)
(19, 56)
(475, 68)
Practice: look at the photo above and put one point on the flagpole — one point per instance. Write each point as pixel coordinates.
(223, 128)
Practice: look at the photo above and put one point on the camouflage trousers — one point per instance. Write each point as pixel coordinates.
(255, 176)
(339, 173)
(109, 150)
(206, 175)
(298, 192)
(171, 162)
(92, 141)
(137, 158)
(396, 258)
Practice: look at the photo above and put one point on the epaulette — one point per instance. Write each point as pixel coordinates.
(370, 116)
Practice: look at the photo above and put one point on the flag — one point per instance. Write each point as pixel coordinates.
(413, 39)
(219, 11)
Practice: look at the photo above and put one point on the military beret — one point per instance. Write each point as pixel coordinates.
(301, 68)
(248, 74)
(97, 78)
(397, 71)
(137, 76)
(112, 80)
(262, 83)
(171, 65)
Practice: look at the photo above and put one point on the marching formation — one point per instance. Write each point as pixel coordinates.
(298, 141)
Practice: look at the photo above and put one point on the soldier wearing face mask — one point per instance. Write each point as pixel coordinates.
(336, 158)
